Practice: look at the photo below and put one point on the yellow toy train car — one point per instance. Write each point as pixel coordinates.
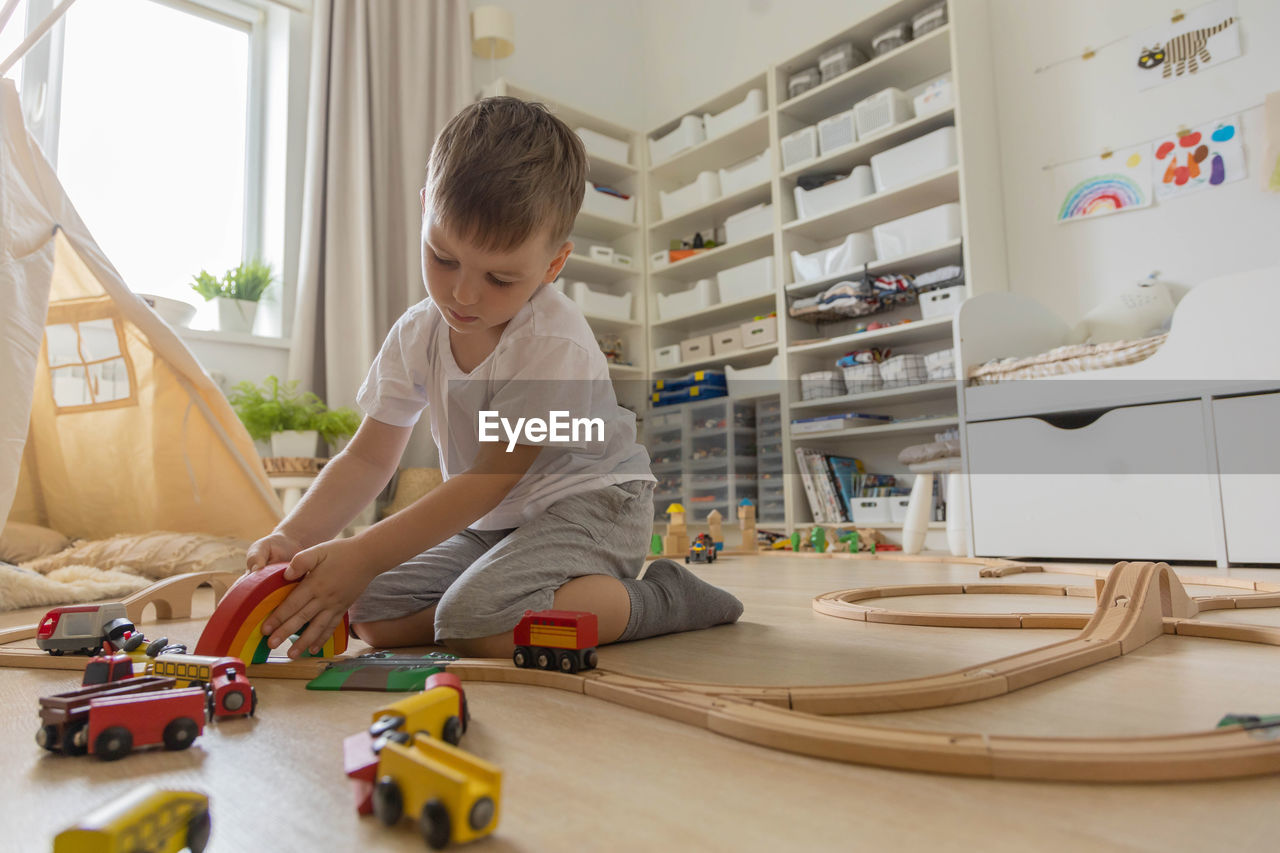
(452, 794)
(148, 819)
(440, 710)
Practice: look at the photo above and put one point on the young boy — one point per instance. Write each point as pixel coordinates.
(520, 523)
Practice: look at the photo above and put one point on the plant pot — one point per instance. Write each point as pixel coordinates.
(294, 443)
(236, 315)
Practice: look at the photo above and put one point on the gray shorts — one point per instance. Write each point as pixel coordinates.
(484, 580)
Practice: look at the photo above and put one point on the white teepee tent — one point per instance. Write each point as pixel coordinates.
(108, 424)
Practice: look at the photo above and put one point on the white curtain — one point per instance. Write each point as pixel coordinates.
(386, 76)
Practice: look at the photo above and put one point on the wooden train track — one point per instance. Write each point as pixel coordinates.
(1137, 603)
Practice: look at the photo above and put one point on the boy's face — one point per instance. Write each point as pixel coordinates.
(477, 290)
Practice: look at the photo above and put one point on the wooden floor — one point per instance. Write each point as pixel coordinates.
(583, 774)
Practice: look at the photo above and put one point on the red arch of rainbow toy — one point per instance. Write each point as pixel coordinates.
(235, 628)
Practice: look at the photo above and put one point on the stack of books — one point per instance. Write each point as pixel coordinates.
(831, 482)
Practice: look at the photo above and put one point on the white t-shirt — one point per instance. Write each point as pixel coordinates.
(547, 360)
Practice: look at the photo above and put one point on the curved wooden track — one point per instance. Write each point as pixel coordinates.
(1137, 603)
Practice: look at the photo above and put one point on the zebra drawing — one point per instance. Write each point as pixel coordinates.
(1187, 51)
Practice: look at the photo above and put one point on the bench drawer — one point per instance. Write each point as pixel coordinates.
(1131, 483)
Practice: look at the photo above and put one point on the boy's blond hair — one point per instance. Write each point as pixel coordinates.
(504, 170)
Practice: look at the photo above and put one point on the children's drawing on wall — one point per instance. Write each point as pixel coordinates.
(1205, 37)
(1100, 185)
(1207, 156)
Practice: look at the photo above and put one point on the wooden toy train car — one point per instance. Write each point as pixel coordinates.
(229, 693)
(83, 628)
(146, 818)
(110, 720)
(556, 639)
(452, 794)
(440, 711)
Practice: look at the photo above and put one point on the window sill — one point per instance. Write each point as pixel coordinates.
(238, 338)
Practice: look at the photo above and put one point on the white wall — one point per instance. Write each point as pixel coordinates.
(1080, 108)
(586, 54)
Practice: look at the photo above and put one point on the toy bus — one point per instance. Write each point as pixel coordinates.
(452, 794)
(82, 628)
(556, 639)
(440, 711)
(147, 818)
(230, 693)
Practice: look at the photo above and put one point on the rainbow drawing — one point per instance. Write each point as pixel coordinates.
(235, 628)
(1102, 194)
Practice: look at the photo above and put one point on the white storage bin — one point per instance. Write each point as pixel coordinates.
(754, 278)
(701, 295)
(820, 384)
(902, 370)
(941, 365)
(728, 340)
(882, 111)
(600, 253)
(704, 190)
(917, 232)
(738, 114)
(761, 381)
(942, 302)
(748, 173)
(688, 133)
(799, 147)
(759, 333)
(929, 19)
(604, 146)
(898, 508)
(912, 160)
(601, 304)
(836, 132)
(697, 347)
(854, 251)
(835, 195)
(871, 510)
(608, 206)
(936, 95)
(861, 378)
(668, 356)
(891, 39)
(749, 223)
(659, 259)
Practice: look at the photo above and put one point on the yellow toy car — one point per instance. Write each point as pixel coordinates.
(146, 819)
(452, 794)
(440, 710)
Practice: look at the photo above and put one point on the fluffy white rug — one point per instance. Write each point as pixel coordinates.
(70, 585)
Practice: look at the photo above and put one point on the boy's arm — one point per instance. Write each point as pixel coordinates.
(337, 572)
(347, 484)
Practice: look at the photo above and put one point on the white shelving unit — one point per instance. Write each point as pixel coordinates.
(961, 48)
(627, 238)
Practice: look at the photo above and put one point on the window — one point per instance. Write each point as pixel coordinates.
(87, 364)
(152, 139)
(10, 37)
(172, 125)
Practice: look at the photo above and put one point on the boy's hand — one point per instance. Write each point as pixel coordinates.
(272, 548)
(333, 576)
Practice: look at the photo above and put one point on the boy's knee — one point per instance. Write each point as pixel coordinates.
(373, 633)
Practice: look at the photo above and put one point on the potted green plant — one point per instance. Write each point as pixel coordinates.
(290, 419)
(236, 294)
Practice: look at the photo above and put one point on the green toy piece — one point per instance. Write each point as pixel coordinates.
(655, 544)
(385, 672)
(795, 541)
(818, 539)
(1249, 721)
(852, 538)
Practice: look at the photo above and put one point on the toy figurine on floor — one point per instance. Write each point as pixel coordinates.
(818, 539)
